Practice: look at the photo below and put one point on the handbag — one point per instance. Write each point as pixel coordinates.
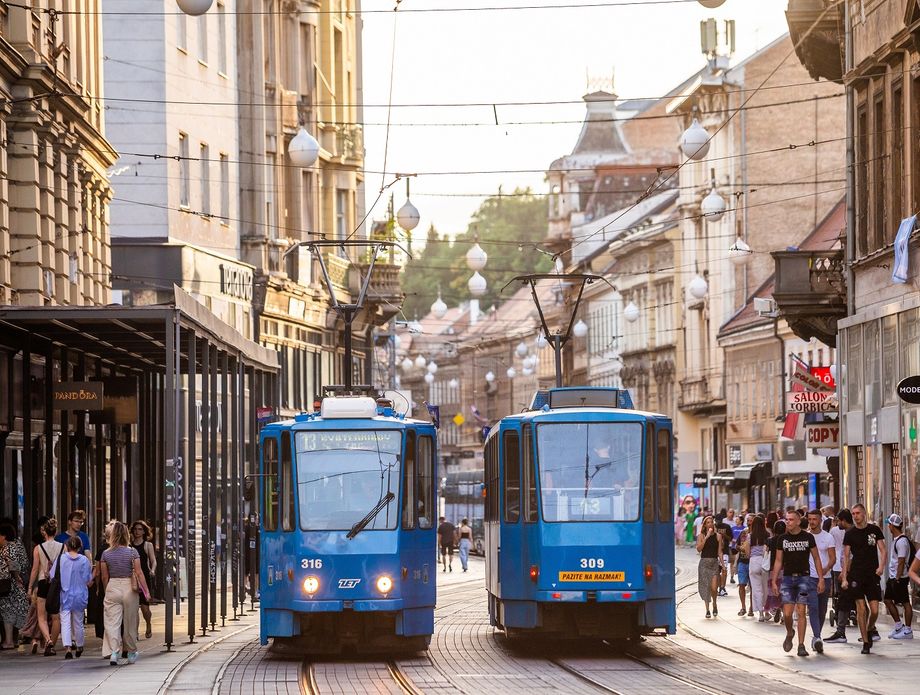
(53, 600)
(766, 563)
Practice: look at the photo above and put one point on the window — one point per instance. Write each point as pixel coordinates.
(879, 225)
(664, 475)
(205, 159)
(184, 176)
(425, 486)
(221, 38)
(648, 493)
(286, 484)
(530, 477)
(306, 50)
(512, 461)
(862, 182)
(890, 360)
(181, 31)
(341, 213)
(408, 510)
(203, 38)
(224, 188)
(268, 38)
(897, 155)
(270, 484)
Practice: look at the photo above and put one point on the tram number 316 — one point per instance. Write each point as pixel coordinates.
(591, 563)
(309, 563)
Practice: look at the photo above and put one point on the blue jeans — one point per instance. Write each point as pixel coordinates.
(817, 605)
(465, 545)
(798, 590)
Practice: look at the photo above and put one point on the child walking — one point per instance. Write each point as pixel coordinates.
(76, 576)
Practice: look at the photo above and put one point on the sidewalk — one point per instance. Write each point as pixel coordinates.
(892, 666)
(155, 671)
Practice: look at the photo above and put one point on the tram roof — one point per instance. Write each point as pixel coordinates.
(318, 422)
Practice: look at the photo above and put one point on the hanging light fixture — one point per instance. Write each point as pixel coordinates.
(476, 258)
(542, 342)
(490, 377)
(739, 253)
(694, 143)
(713, 206)
(408, 215)
(432, 367)
(195, 8)
(580, 329)
(527, 371)
(420, 362)
(439, 308)
(477, 285)
(631, 312)
(453, 383)
(407, 364)
(415, 326)
(429, 378)
(698, 287)
(303, 149)
(512, 372)
(712, 4)
(521, 349)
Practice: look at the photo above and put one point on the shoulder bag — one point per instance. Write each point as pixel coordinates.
(766, 564)
(53, 600)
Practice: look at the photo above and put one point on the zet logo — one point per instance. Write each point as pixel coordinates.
(348, 583)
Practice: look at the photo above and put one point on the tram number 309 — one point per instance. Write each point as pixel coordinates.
(591, 563)
(316, 563)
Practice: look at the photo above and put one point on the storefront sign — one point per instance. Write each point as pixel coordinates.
(792, 450)
(811, 402)
(701, 480)
(236, 281)
(824, 374)
(825, 435)
(808, 380)
(78, 395)
(909, 390)
(734, 455)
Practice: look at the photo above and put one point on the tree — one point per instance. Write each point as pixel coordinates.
(509, 228)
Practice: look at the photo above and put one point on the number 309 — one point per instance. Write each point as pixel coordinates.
(592, 563)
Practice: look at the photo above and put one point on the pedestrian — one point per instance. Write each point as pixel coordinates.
(897, 588)
(793, 550)
(76, 576)
(140, 541)
(121, 573)
(817, 609)
(743, 546)
(446, 533)
(843, 601)
(44, 555)
(466, 542)
(95, 609)
(726, 532)
(864, 559)
(698, 522)
(758, 576)
(14, 602)
(709, 546)
(75, 521)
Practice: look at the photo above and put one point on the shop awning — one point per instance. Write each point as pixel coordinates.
(724, 477)
(816, 465)
(744, 471)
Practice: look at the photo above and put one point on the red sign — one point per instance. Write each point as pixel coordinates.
(824, 374)
(823, 435)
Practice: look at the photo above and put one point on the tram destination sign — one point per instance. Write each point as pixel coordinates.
(811, 402)
(909, 390)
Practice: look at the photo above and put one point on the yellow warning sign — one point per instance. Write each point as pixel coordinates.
(592, 576)
(458, 419)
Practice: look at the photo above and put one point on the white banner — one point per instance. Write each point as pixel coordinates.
(811, 402)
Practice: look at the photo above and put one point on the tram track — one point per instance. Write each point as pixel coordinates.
(336, 676)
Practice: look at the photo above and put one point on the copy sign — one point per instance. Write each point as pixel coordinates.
(823, 435)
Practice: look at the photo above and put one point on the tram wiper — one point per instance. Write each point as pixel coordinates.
(369, 517)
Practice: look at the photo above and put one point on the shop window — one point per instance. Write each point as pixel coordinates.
(890, 360)
(408, 512)
(854, 367)
(512, 460)
(270, 484)
(425, 484)
(910, 341)
(286, 484)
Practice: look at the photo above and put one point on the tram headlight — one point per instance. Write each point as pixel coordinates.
(311, 585)
(384, 584)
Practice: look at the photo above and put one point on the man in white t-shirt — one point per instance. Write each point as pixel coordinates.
(897, 588)
(817, 608)
(698, 522)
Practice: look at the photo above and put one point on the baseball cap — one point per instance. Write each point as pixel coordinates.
(895, 520)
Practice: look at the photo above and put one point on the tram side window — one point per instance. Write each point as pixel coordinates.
(425, 484)
(286, 484)
(530, 476)
(512, 460)
(648, 485)
(491, 466)
(664, 475)
(408, 512)
(270, 484)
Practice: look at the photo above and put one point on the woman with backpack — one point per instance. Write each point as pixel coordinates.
(44, 555)
(76, 576)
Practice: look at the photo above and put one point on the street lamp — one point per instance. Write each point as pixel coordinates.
(631, 312)
(694, 143)
(439, 308)
(429, 378)
(521, 349)
(739, 253)
(407, 364)
(542, 342)
(490, 377)
(408, 215)
(511, 373)
(713, 206)
(698, 287)
(476, 258)
(195, 8)
(580, 329)
(432, 367)
(303, 148)
(477, 285)
(453, 383)
(712, 4)
(420, 362)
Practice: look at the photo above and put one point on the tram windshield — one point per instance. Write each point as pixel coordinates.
(590, 471)
(343, 474)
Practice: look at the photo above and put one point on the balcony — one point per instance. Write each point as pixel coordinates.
(349, 142)
(384, 293)
(694, 395)
(822, 50)
(811, 293)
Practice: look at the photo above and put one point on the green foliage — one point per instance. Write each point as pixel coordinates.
(508, 227)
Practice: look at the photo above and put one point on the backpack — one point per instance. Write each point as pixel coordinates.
(53, 600)
(911, 548)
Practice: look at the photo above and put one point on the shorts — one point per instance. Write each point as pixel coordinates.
(869, 589)
(744, 569)
(447, 550)
(898, 590)
(796, 590)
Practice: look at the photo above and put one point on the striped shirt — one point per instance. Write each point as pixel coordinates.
(120, 560)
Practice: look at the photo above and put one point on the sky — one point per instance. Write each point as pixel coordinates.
(490, 57)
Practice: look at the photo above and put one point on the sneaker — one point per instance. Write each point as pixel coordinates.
(818, 646)
(837, 638)
(113, 660)
(891, 635)
(867, 648)
(906, 633)
(132, 657)
(874, 636)
(68, 655)
(802, 651)
(787, 643)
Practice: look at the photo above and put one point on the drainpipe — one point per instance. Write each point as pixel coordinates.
(851, 160)
(782, 358)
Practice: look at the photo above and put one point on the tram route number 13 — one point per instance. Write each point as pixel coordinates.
(311, 563)
(591, 563)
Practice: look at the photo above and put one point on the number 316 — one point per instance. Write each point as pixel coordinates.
(311, 563)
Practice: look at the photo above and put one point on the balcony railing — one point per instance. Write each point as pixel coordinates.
(384, 289)
(810, 292)
(818, 36)
(349, 142)
(694, 394)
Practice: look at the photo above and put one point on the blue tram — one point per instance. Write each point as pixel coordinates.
(348, 539)
(579, 528)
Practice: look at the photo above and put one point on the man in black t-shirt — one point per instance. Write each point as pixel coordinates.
(864, 558)
(793, 550)
(446, 541)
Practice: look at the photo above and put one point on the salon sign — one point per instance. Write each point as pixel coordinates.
(811, 402)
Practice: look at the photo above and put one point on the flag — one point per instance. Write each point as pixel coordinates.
(435, 412)
(794, 427)
(476, 414)
(900, 267)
